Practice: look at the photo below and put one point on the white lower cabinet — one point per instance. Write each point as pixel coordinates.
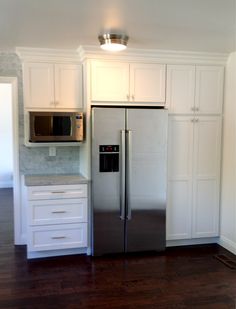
(54, 237)
(57, 217)
(193, 177)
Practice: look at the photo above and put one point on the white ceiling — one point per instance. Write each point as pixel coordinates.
(197, 25)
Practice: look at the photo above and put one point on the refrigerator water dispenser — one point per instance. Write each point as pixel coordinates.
(108, 158)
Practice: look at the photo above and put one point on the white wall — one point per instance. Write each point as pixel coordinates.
(6, 136)
(228, 196)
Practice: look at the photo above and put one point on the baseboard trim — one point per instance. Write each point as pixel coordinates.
(227, 244)
(194, 241)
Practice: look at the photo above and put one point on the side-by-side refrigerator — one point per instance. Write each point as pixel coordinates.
(129, 179)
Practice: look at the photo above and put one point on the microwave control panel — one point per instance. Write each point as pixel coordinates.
(79, 127)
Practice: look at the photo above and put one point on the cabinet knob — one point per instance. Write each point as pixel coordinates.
(196, 109)
(192, 120)
(127, 97)
(193, 108)
(196, 120)
(133, 97)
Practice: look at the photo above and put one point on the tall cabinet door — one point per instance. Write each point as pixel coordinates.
(39, 85)
(146, 179)
(180, 88)
(108, 228)
(206, 179)
(180, 154)
(68, 92)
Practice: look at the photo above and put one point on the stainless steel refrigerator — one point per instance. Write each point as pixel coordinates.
(129, 179)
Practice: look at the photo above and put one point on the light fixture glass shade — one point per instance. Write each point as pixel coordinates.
(113, 42)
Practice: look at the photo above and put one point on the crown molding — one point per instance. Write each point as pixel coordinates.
(161, 56)
(46, 54)
(87, 52)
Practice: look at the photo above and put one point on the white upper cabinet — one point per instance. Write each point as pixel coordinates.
(147, 82)
(68, 86)
(209, 89)
(50, 86)
(115, 81)
(195, 89)
(110, 81)
(39, 85)
(180, 88)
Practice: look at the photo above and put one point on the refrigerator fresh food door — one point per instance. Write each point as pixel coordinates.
(146, 179)
(108, 177)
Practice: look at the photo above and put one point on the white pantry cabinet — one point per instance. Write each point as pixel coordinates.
(57, 217)
(195, 89)
(113, 81)
(193, 177)
(52, 86)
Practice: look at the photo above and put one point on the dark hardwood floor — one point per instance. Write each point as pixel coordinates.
(6, 216)
(187, 277)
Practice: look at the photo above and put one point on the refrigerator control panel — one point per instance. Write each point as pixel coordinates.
(109, 148)
(108, 158)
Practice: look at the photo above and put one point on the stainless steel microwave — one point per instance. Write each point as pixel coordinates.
(56, 127)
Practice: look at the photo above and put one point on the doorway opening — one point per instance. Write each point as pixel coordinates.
(9, 163)
(6, 164)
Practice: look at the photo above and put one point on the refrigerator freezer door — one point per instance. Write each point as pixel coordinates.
(145, 227)
(107, 189)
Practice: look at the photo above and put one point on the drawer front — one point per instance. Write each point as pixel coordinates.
(57, 237)
(45, 212)
(57, 192)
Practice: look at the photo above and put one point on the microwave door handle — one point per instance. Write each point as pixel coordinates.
(72, 125)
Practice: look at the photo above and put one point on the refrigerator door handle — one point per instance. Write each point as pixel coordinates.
(122, 177)
(129, 160)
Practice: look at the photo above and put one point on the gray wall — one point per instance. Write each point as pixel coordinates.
(36, 160)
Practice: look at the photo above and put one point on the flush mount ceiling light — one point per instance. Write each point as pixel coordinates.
(113, 42)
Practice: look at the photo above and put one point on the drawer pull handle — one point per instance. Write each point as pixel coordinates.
(58, 192)
(58, 237)
(58, 212)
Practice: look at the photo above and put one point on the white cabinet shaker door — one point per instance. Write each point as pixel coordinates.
(180, 154)
(206, 180)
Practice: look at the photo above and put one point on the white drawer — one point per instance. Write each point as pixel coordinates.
(57, 192)
(45, 212)
(53, 237)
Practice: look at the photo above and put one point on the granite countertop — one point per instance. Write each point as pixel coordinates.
(47, 180)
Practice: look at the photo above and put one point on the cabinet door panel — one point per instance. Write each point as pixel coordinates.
(39, 85)
(180, 88)
(209, 89)
(206, 208)
(68, 81)
(110, 81)
(180, 147)
(147, 83)
(180, 153)
(207, 149)
(179, 210)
